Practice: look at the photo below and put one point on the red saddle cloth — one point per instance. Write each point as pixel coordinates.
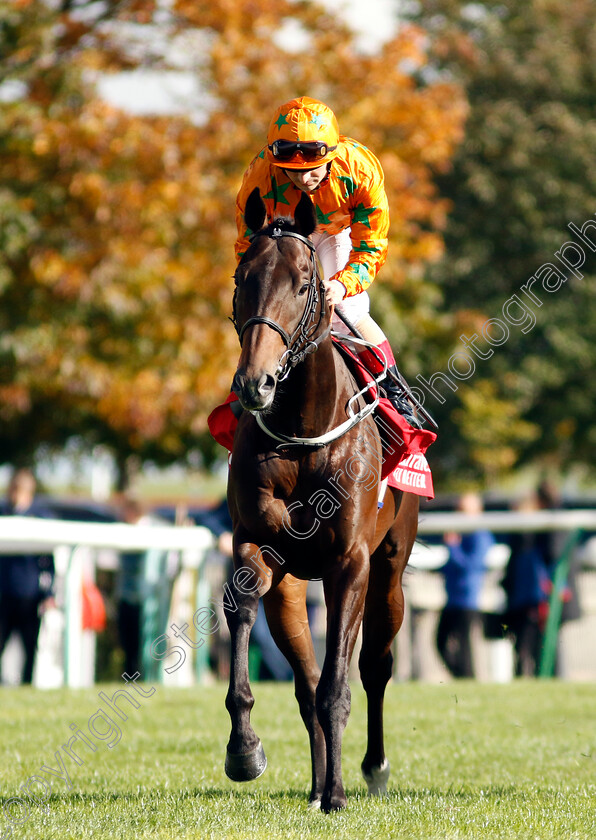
(404, 463)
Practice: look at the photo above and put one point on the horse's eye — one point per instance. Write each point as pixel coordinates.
(304, 289)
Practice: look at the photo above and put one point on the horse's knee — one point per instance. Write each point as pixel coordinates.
(333, 702)
(375, 673)
(244, 613)
(306, 698)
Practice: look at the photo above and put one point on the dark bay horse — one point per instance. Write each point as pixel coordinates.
(302, 493)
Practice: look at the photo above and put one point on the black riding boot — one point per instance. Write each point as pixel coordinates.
(399, 399)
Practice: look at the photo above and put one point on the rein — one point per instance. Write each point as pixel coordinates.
(301, 342)
(354, 418)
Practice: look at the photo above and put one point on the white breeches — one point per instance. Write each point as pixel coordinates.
(333, 251)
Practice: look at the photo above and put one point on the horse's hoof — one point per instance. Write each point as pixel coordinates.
(333, 803)
(246, 767)
(314, 804)
(376, 779)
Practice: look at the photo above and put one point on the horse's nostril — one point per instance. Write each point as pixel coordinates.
(266, 383)
(237, 383)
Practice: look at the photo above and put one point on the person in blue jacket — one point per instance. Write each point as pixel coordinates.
(528, 584)
(26, 580)
(464, 575)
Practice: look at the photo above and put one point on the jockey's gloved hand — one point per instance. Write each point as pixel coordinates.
(335, 291)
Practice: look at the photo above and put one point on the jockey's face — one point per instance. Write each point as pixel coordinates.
(307, 180)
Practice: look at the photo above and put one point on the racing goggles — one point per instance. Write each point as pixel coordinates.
(313, 151)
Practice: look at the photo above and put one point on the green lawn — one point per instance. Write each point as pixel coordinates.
(468, 760)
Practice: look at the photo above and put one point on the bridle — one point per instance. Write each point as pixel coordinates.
(302, 342)
(304, 338)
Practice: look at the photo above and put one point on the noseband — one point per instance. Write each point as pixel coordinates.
(301, 342)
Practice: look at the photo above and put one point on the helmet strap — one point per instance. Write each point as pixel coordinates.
(326, 178)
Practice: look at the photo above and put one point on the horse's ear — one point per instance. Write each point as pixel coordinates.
(305, 216)
(254, 212)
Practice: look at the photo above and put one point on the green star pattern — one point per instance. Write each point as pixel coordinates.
(361, 214)
(277, 192)
(361, 270)
(349, 183)
(366, 247)
(323, 218)
(281, 120)
(319, 121)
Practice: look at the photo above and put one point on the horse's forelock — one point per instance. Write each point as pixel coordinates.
(282, 223)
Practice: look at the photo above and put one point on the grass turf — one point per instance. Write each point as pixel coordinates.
(468, 761)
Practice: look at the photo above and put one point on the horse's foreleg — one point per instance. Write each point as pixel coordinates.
(285, 607)
(383, 616)
(245, 757)
(382, 619)
(345, 588)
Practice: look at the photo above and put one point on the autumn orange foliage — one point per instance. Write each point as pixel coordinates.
(118, 229)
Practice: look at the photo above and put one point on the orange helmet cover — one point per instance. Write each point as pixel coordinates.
(303, 120)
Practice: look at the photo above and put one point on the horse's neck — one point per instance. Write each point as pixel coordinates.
(313, 393)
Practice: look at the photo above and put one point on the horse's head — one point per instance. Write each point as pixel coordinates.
(279, 302)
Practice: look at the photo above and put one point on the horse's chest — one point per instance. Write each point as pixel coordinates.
(300, 515)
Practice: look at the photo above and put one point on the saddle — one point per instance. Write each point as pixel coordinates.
(403, 461)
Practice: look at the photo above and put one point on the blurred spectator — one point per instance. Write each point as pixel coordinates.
(552, 545)
(144, 588)
(464, 574)
(218, 570)
(528, 584)
(130, 591)
(219, 522)
(274, 665)
(26, 580)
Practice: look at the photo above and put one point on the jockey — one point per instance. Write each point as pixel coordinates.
(305, 153)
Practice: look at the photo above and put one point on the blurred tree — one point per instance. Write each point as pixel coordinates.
(492, 428)
(524, 172)
(112, 317)
(116, 231)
